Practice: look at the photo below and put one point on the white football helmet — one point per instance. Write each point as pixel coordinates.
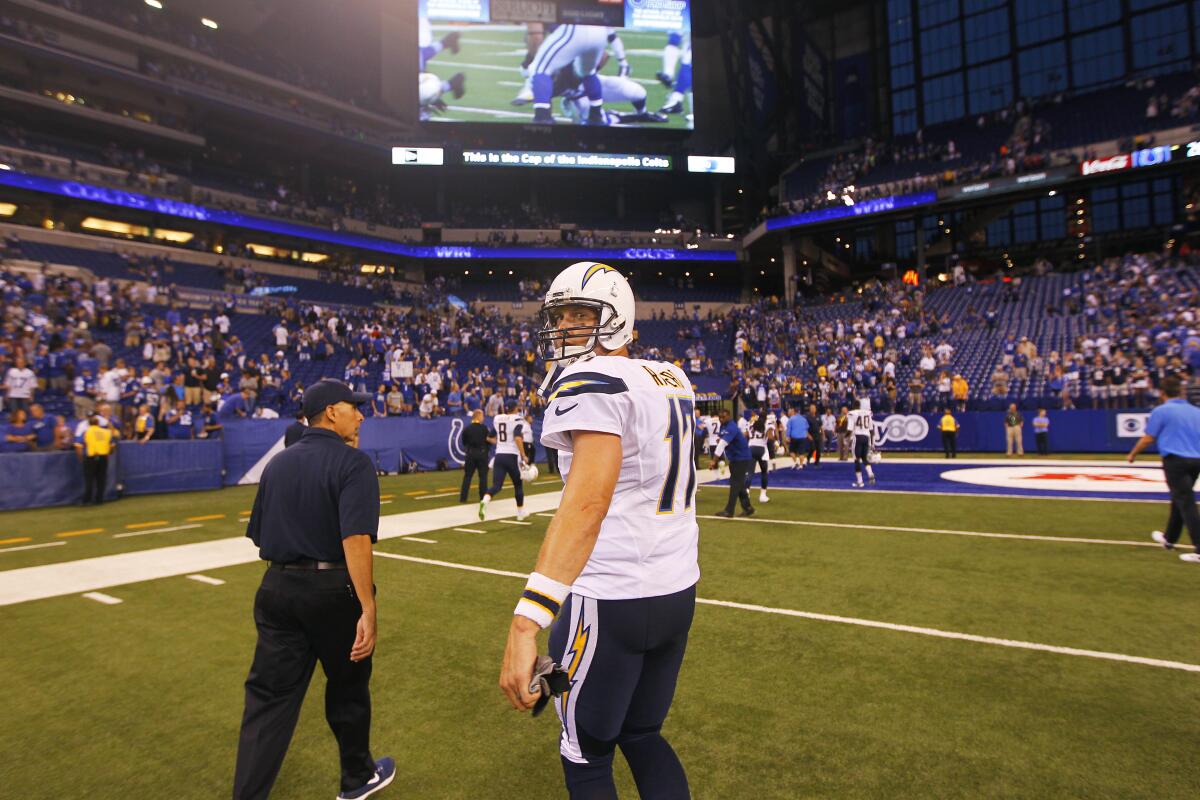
(593, 285)
(529, 472)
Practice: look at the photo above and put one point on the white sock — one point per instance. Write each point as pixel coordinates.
(487, 498)
(673, 98)
(670, 59)
(870, 472)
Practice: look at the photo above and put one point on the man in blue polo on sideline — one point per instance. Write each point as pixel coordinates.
(1175, 427)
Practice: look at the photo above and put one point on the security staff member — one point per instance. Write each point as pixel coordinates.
(1175, 427)
(315, 518)
(736, 449)
(98, 443)
(475, 440)
(949, 428)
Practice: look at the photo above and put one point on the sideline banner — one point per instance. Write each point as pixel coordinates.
(1078, 431)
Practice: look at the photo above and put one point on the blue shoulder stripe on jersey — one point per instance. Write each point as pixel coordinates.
(587, 383)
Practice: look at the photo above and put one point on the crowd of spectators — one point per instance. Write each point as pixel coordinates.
(1028, 147)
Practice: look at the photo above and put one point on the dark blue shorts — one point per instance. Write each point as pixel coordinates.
(507, 464)
(623, 657)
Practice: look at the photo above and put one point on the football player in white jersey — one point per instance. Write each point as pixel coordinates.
(616, 574)
(862, 426)
(512, 431)
(583, 47)
(759, 456)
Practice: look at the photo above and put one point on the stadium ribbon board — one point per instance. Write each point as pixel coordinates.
(553, 160)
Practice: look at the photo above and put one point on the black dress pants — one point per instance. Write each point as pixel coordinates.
(950, 443)
(303, 616)
(472, 465)
(95, 478)
(1181, 479)
(739, 471)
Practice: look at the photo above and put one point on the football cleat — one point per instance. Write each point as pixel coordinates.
(672, 108)
(643, 116)
(542, 116)
(483, 504)
(665, 79)
(450, 42)
(1161, 538)
(458, 85)
(871, 480)
(385, 773)
(596, 116)
(524, 97)
(1191, 558)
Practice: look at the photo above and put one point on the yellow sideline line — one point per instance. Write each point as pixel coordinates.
(83, 532)
(136, 525)
(386, 496)
(204, 517)
(17, 540)
(414, 494)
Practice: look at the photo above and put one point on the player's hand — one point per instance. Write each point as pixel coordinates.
(1131, 458)
(364, 639)
(712, 465)
(623, 69)
(520, 654)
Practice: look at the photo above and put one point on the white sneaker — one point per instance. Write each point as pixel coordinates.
(1161, 538)
(857, 484)
(762, 497)
(521, 515)
(1191, 558)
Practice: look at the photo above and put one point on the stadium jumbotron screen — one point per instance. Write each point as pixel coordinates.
(621, 63)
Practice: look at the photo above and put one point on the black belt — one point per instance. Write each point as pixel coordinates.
(309, 564)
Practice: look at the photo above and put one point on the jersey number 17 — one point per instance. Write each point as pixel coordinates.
(680, 422)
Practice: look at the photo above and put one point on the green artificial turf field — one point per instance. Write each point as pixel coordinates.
(490, 57)
(144, 698)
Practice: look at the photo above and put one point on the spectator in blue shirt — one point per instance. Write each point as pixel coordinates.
(42, 426)
(798, 436)
(19, 436)
(179, 422)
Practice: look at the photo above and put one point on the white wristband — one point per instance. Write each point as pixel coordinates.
(542, 599)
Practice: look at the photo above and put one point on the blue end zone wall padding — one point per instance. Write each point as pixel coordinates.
(169, 466)
(33, 480)
(1078, 431)
(30, 480)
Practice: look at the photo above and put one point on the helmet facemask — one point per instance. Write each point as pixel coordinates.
(552, 340)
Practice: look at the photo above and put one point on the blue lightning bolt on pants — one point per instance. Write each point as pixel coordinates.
(624, 658)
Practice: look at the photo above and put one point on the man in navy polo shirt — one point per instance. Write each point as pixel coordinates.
(1175, 427)
(736, 449)
(315, 519)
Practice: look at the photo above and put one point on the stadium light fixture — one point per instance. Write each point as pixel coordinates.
(154, 4)
(209, 23)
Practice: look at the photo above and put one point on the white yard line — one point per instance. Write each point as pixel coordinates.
(436, 496)
(158, 530)
(468, 530)
(923, 493)
(514, 522)
(415, 539)
(945, 532)
(32, 547)
(103, 572)
(206, 579)
(867, 623)
(106, 599)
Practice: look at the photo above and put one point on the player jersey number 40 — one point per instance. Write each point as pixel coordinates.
(648, 539)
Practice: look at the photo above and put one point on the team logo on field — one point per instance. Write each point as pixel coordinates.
(1060, 478)
(901, 428)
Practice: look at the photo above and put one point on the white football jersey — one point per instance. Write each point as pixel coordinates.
(648, 540)
(508, 427)
(756, 437)
(713, 426)
(861, 423)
